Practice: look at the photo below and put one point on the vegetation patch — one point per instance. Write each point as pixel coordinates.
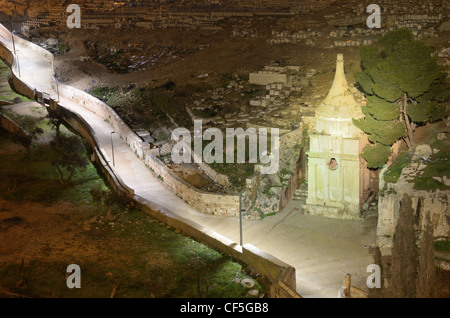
(429, 184)
(395, 170)
(6, 93)
(32, 177)
(442, 246)
(145, 259)
(149, 107)
(436, 169)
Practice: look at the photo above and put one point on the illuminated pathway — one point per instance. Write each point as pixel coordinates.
(322, 250)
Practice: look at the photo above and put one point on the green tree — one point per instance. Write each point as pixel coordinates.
(108, 197)
(32, 136)
(55, 120)
(405, 87)
(69, 155)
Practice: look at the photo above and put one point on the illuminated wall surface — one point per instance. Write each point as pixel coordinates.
(333, 158)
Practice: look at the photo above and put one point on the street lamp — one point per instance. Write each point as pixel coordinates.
(57, 87)
(18, 64)
(15, 53)
(112, 147)
(14, 44)
(240, 217)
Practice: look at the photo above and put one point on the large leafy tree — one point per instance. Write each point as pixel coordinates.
(405, 87)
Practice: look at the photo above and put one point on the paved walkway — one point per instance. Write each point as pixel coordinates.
(322, 250)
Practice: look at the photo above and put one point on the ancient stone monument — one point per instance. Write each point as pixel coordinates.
(337, 177)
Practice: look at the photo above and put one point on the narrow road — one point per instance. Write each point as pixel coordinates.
(322, 250)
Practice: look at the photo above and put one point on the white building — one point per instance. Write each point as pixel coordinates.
(337, 176)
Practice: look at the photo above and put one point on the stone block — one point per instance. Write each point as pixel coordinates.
(422, 151)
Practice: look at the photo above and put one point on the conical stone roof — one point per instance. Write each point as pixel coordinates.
(340, 102)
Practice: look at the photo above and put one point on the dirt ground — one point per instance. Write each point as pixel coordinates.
(193, 175)
(29, 230)
(204, 52)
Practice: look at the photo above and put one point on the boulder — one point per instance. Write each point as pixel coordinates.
(422, 152)
(444, 27)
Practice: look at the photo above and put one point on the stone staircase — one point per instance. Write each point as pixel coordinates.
(166, 149)
(301, 193)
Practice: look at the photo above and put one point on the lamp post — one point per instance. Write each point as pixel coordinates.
(15, 53)
(240, 218)
(112, 148)
(18, 64)
(14, 44)
(57, 88)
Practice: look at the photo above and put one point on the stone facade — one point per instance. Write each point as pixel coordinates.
(333, 157)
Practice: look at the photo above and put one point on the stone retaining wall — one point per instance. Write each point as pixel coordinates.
(12, 127)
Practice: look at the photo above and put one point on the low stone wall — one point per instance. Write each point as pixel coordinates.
(5, 102)
(7, 56)
(22, 87)
(12, 127)
(107, 113)
(211, 203)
